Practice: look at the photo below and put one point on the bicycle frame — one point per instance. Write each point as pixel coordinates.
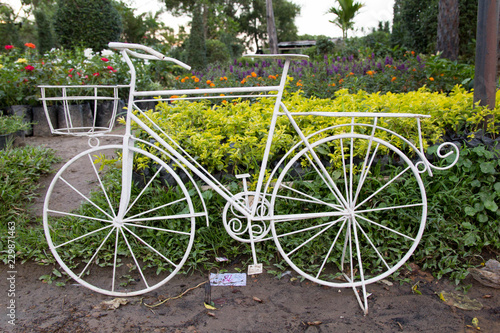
(182, 156)
(187, 160)
(347, 198)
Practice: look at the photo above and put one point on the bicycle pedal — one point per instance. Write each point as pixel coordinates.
(255, 269)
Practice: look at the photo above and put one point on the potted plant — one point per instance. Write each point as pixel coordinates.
(9, 125)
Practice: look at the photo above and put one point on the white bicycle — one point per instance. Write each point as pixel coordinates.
(344, 207)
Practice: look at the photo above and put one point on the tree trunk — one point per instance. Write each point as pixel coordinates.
(448, 29)
(271, 28)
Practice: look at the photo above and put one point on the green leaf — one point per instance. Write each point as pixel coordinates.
(482, 218)
(56, 273)
(497, 187)
(475, 183)
(491, 205)
(487, 167)
(470, 211)
(470, 239)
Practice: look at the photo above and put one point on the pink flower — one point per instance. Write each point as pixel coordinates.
(29, 68)
(105, 59)
(9, 47)
(70, 75)
(71, 69)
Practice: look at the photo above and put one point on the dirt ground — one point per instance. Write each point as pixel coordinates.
(265, 304)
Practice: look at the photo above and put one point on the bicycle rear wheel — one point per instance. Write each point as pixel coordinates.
(112, 254)
(351, 216)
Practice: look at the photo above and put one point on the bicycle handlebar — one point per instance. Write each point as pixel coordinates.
(156, 55)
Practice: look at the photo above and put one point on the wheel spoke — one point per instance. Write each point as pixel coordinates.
(389, 208)
(158, 229)
(373, 245)
(310, 239)
(384, 227)
(115, 260)
(143, 190)
(365, 170)
(328, 182)
(313, 199)
(329, 224)
(85, 198)
(78, 216)
(149, 246)
(170, 217)
(102, 185)
(95, 253)
(83, 236)
(331, 249)
(156, 208)
(138, 267)
(383, 187)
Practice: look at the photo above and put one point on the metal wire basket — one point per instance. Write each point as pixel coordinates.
(80, 110)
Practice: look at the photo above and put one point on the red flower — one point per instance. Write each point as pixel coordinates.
(29, 68)
(70, 70)
(30, 45)
(105, 59)
(96, 74)
(9, 47)
(110, 68)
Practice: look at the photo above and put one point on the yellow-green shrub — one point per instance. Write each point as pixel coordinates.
(231, 136)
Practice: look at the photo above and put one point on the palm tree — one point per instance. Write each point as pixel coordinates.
(345, 14)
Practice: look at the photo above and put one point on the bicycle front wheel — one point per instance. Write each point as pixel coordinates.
(119, 253)
(349, 212)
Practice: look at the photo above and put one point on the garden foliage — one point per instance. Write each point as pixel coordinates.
(82, 23)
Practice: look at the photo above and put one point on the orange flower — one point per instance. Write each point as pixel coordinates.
(174, 96)
(333, 84)
(412, 53)
(30, 45)
(414, 69)
(254, 74)
(431, 78)
(351, 73)
(209, 82)
(341, 80)
(370, 73)
(393, 79)
(212, 85)
(442, 74)
(196, 80)
(299, 83)
(224, 78)
(272, 77)
(243, 81)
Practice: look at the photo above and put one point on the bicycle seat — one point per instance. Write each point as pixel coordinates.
(278, 56)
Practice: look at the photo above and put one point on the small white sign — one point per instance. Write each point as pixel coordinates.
(255, 269)
(228, 279)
